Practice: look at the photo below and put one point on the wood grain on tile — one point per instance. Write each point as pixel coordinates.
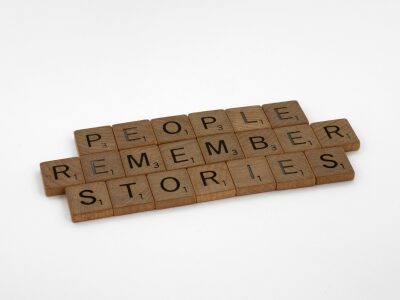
(247, 118)
(336, 133)
(102, 166)
(220, 147)
(210, 122)
(212, 182)
(330, 165)
(142, 160)
(94, 140)
(171, 188)
(286, 113)
(251, 175)
(130, 195)
(58, 174)
(172, 129)
(208, 155)
(89, 201)
(259, 142)
(291, 170)
(134, 134)
(182, 154)
(297, 138)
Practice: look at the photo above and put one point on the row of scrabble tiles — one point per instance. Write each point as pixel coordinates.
(283, 117)
(208, 182)
(197, 125)
(182, 127)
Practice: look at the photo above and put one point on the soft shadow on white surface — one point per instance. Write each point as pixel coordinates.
(71, 65)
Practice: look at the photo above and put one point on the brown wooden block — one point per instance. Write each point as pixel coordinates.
(142, 160)
(247, 118)
(95, 140)
(130, 195)
(58, 174)
(251, 175)
(286, 113)
(212, 182)
(330, 165)
(210, 122)
(336, 133)
(297, 138)
(172, 129)
(291, 170)
(89, 201)
(182, 154)
(220, 147)
(259, 142)
(171, 188)
(102, 166)
(134, 134)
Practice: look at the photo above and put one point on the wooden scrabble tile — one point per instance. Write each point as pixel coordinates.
(210, 122)
(286, 113)
(297, 138)
(259, 142)
(220, 147)
(171, 188)
(142, 160)
(130, 195)
(58, 174)
(291, 170)
(94, 140)
(336, 133)
(134, 134)
(212, 182)
(330, 165)
(251, 175)
(89, 201)
(182, 154)
(172, 129)
(247, 118)
(102, 166)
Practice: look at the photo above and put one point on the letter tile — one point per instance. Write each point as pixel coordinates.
(58, 174)
(282, 114)
(182, 154)
(102, 166)
(247, 118)
(89, 201)
(330, 165)
(134, 134)
(142, 160)
(291, 170)
(261, 142)
(251, 175)
(212, 182)
(336, 133)
(130, 195)
(297, 138)
(220, 147)
(172, 129)
(95, 140)
(171, 188)
(210, 122)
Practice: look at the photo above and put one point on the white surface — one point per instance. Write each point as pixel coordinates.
(76, 64)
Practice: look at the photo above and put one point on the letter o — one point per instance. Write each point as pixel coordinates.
(177, 184)
(178, 127)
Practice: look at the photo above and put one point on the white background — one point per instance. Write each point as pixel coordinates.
(77, 64)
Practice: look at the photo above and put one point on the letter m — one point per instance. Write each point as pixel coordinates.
(218, 150)
(143, 159)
